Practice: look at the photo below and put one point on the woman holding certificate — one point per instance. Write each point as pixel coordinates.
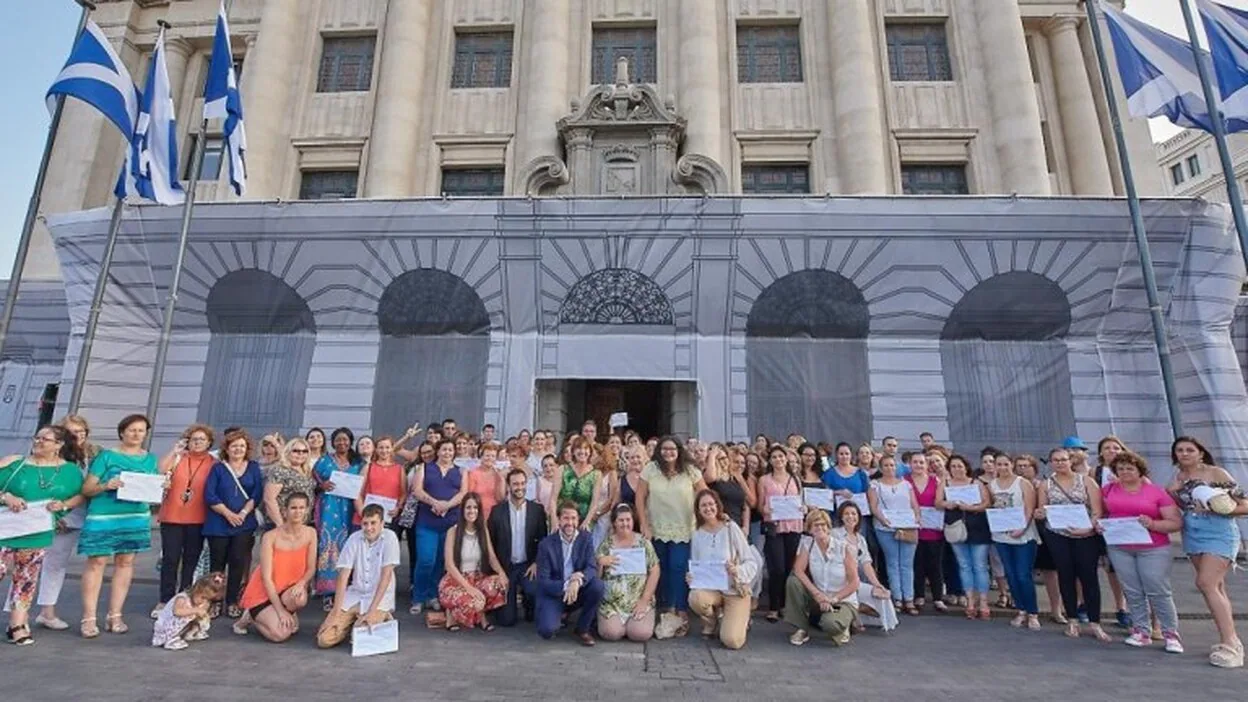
(824, 583)
(720, 546)
(1210, 499)
(965, 500)
(45, 485)
(115, 528)
(382, 478)
(630, 572)
(778, 492)
(334, 512)
(1139, 518)
(1071, 503)
(896, 513)
(1011, 519)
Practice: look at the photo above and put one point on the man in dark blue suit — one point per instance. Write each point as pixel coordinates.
(567, 577)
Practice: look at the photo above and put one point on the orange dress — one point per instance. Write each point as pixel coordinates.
(289, 567)
(484, 482)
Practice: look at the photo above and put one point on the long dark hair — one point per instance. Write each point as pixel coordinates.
(682, 457)
(1205, 456)
(483, 536)
(352, 456)
(70, 451)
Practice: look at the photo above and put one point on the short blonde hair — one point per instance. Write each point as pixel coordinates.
(817, 517)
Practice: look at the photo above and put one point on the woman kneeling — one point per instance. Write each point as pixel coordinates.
(823, 588)
(278, 589)
(627, 609)
(474, 582)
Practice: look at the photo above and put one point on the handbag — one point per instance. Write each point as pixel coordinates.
(955, 532)
(407, 518)
(907, 536)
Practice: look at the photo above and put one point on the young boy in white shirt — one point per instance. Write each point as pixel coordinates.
(371, 555)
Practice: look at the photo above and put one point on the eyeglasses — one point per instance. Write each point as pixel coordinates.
(39, 439)
(298, 450)
(198, 439)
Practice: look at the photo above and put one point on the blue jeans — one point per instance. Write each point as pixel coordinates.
(972, 567)
(673, 565)
(1018, 560)
(428, 569)
(899, 560)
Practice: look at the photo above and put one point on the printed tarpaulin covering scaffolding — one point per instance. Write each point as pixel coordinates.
(1003, 321)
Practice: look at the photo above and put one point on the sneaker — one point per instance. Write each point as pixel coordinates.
(1173, 643)
(415, 609)
(1082, 614)
(155, 613)
(175, 645)
(196, 635)
(54, 623)
(1139, 639)
(1124, 619)
(842, 638)
(799, 637)
(434, 605)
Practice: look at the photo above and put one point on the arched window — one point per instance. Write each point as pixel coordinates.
(435, 347)
(1007, 380)
(263, 336)
(806, 358)
(616, 296)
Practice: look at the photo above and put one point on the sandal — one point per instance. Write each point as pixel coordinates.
(487, 627)
(971, 613)
(1018, 620)
(114, 624)
(90, 628)
(940, 606)
(1004, 600)
(1100, 634)
(911, 609)
(1058, 618)
(20, 635)
(234, 611)
(772, 617)
(985, 612)
(215, 610)
(1033, 622)
(1072, 630)
(1224, 656)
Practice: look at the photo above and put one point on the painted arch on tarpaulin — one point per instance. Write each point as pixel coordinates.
(434, 352)
(1004, 361)
(806, 358)
(259, 354)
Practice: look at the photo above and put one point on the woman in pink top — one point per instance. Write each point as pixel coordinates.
(383, 478)
(485, 480)
(928, 556)
(782, 536)
(1144, 569)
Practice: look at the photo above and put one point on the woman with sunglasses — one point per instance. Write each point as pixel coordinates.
(293, 473)
(49, 479)
(183, 510)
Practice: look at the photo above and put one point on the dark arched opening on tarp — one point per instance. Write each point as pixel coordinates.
(1003, 357)
(806, 358)
(435, 348)
(263, 337)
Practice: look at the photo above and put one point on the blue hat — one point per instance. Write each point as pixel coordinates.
(1074, 442)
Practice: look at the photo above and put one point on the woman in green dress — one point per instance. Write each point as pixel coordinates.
(48, 479)
(114, 528)
(577, 480)
(627, 608)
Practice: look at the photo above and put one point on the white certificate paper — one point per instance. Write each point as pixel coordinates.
(901, 518)
(1125, 531)
(786, 507)
(1003, 519)
(387, 503)
(346, 485)
(709, 575)
(968, 495)
(618, 419)
(931, 518)
(384, 638)
(632, 561)
(820, 498)
(35, 519)
(860, 499)
(141, 487)
(1067, 517)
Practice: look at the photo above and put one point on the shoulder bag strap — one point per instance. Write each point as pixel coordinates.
(21, 463)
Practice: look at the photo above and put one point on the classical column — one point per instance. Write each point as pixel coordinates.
(543, 82)
(1081, 128)
(177, 55)
(272, 69)
(400, 87)
(857, 99)
(1012, 104)
(699, 95)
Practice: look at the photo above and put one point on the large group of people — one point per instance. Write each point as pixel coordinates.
(615, 537)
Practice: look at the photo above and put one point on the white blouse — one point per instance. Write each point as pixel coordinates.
(470, 554)
(827, 569)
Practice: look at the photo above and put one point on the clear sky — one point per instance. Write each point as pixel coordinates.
(37, 34)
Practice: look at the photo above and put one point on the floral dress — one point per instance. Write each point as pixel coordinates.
(623, 591)
(333, 525)
(292, 481)
(170, 627)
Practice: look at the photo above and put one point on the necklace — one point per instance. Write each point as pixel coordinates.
(48, 483)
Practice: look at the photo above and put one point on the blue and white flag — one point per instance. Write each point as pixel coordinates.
(151, 169)
(1227, 31)
(1158, 72)
(223, 101)
(95, 74)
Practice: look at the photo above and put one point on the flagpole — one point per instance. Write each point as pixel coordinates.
(1137, 224)
(97, 301)
(188, 208)
(36, 196)
(1219, 132)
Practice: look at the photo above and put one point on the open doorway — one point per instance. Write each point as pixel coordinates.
(654, 407)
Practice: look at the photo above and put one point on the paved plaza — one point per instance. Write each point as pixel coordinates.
(930, 657)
